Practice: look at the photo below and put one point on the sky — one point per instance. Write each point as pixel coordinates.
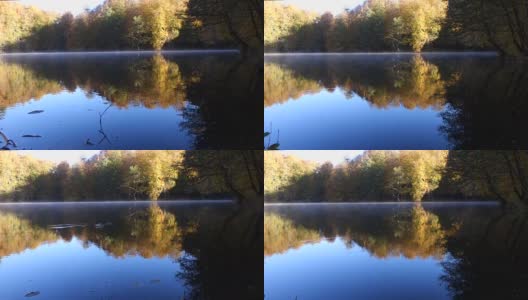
(322, 156)
(322, 6)
(77, 6)
(75, 156)
(57, 156)
(62, 6)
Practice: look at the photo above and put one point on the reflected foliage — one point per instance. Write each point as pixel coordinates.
(492, 264)
(19, 84)
(213, 107)
(235, 244)
(411, 233)
(281, 234)
(149, 81)
(17, 235)
(148, 233)
(487, 106)
(411, 83)
(480, 98)
(203, 240)
(282, 84)
(482, 250)
(422, 233)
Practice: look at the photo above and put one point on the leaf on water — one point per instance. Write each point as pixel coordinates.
(65, 226)
(274, 146)
(31, 136)
(35, 112)
(266, 134)
(32, 294)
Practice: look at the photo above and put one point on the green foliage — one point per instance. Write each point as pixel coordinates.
(402, 175)
(374, 26)
(115, 175)
(373, 176)
(283, 171)
(418, 23)
(18, 175)
(281, 21)
(141, 24)
(18, 23)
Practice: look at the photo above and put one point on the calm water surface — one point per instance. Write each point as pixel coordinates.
(123, 250)
(395, 101)
(394, 251)
(130, 100)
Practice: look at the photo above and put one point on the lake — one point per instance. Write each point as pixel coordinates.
(395, 101)
(129, 250)
(394, 251)
(130, 100)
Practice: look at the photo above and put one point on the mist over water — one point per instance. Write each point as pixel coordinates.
(427, 250)
(394, 100)
(126, 250)
(128, 100)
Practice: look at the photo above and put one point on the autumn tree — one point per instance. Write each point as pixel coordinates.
(418, 22)
(503, 24)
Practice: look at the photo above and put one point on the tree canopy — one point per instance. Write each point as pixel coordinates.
(401, 176)
(141, 24)
(374, 25)
(135, 175)
(380, 25)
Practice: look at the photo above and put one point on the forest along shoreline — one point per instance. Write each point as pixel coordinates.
(87, 52)
(137, 25)
(420, 176)
(415, 25)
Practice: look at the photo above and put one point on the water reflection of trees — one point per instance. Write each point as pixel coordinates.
(412, 83)
(281, 234)
(492, 264)
(482, 251)
(204, 242)
(235, 245)
(216, 93)
(17, 235)
(282, 84)
(150, 82)
(19, 84)
(487, 106)
(413, 233)
(481, 98)
(147, 233)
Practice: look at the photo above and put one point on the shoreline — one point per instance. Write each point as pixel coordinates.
(119, 202)
(186, 51)
(482, 53)
(488, 202)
